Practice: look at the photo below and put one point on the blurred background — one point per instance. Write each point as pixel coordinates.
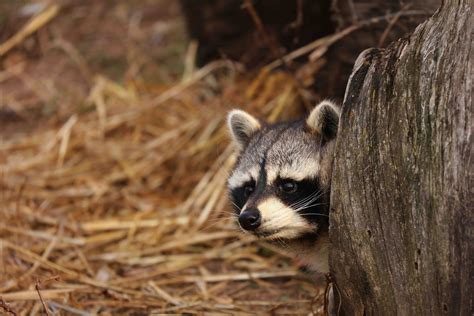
(114, 153)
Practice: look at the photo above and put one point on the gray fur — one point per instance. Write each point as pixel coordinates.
(285, 145)
(297, 150)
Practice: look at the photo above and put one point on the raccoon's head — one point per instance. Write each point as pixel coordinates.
(280, 183)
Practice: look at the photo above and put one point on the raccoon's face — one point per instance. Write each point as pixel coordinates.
(280, 183)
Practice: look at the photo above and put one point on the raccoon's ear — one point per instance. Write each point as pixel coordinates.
(324, 119)
(242, 127)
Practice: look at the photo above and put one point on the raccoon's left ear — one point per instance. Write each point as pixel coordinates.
(324, 119)
(242, 127)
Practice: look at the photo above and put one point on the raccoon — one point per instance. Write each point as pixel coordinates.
(281, 181)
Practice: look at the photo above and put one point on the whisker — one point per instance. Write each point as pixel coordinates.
(239, 208)
(282, 243)
(309, 199)
(305, 199)
(308, 202)
(309, 206)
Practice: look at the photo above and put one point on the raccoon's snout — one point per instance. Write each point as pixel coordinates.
(250, 219)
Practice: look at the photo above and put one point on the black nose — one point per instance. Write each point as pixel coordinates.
(250, 219)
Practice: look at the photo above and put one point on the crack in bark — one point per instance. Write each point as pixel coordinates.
(402, 172)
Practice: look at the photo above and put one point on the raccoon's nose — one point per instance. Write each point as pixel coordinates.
(250, 219)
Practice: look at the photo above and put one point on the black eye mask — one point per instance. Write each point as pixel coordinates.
(308, 200)
(238, 196)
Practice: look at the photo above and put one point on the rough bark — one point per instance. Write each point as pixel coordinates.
(402, 202)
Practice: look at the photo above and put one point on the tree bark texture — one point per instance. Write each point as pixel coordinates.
(402, 199)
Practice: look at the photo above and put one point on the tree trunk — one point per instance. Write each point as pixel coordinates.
(402, 201)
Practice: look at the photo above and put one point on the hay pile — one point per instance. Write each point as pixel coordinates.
(112, 184)
(114, 157)
(119, 207)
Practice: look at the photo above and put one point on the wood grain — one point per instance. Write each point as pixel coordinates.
(402, 198)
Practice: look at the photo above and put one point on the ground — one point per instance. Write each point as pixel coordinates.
(113, 161)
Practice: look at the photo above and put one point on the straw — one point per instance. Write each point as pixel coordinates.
(123, 194)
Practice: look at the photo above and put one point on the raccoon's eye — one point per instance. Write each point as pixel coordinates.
(248, 190)
(288, 186)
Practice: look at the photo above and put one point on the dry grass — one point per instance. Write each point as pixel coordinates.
(113, 162)
(116, 204)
